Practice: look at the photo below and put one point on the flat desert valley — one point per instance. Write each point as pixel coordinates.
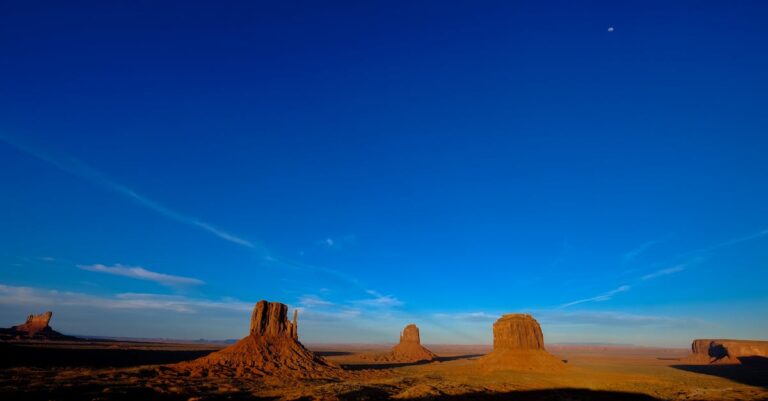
(271, 364)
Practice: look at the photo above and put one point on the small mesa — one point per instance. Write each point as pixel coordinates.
(726, 352)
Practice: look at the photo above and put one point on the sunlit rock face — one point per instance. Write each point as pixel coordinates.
(518, 344)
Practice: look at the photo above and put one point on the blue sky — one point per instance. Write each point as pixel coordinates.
(165, 166)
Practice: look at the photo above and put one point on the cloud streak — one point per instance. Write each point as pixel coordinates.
(140, 273)
(79, 169)
(611, 318)
(32, 296)
(629, 256)
(599, 298)
(664, 272)
(379, 300)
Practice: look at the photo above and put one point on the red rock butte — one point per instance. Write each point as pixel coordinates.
(410, 349)
(518, 344)
(723, 351)
(272, 347)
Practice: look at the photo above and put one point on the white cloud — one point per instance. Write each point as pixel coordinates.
(664, 272)
(32, 296)
(141, 273)
(600, 298)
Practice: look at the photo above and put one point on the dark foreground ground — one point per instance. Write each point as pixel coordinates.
(111, 370)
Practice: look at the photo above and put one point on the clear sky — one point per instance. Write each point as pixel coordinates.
(601, 165)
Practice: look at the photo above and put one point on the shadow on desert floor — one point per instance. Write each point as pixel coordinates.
(392, 365)
(556, 394)
(333, 353)
(91, 357)
(373, 393)
(753, 371)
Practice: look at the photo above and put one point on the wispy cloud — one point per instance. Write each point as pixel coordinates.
(80, 169)
(733, 241)
(629, 256)
(33, 296)
(609, 318)
(664, 272)
(468, 316)
(379, 300)
(599, 298)
(141, 273)
(310, 301)
(338, 242)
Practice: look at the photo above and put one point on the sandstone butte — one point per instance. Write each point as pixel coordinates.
(35, 324)
(518, 344)
(723, 351)
(35, 327)
(410, 349)
(272, 347)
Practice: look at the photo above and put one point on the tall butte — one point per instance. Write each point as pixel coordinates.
(410, 349)
(272, 347)
(518, 344)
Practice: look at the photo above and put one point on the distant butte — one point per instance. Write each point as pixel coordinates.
(36, 327)
(410, 349)
(518, 344)
(722, 351)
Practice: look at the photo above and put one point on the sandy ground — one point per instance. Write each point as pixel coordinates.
(133, 370)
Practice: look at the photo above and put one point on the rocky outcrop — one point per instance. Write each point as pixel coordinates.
(272, 348)
(410, 349)
(518, 344)
(35, 323)
(36, 327)
(723, 351)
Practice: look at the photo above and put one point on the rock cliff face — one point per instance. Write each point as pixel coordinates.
(517, 331)
(723, 351)
(269, 319)
(518, 344)
(272, 348)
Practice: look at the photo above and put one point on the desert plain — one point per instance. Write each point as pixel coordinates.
(271, 364)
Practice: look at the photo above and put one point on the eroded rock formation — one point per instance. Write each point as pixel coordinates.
(518, 344)
(271, 348)
(723, 351)
(410, 349)
(35, 323)
(36, 327)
